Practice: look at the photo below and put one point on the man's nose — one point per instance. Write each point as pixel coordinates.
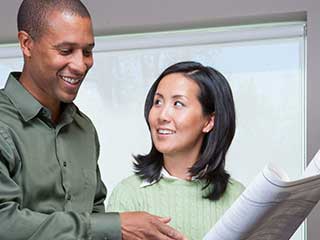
(80, 64)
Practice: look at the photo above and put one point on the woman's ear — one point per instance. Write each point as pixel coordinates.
(26, 43)
(209, 124)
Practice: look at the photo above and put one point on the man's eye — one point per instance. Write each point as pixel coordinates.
(65, 51)
(87, 53)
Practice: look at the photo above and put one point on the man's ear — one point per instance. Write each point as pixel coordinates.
(26, 43)
(209, 124)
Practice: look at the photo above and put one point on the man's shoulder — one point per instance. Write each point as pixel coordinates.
(82, 119)
(8, 112)
(4, 100)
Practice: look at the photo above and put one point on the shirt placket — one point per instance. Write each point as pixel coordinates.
(65, 179)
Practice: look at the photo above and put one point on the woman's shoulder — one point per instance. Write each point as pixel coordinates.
(124, 196)
(234, 188)
(132, 181)
(126, 188)
(233, 183)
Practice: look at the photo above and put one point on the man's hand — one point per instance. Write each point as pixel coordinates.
(142, 225)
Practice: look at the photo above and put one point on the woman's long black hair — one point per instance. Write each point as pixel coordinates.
(216, 98)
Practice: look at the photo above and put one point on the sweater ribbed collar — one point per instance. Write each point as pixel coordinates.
(164, 174)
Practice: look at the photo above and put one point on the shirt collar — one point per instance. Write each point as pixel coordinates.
(25, 103)
(164, 174)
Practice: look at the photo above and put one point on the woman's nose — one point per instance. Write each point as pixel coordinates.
(165, 114)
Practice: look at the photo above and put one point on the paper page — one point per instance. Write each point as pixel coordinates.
(252, 219)
(270, 208)
(236, 221)
(286, 214)
(279, 177)
(313, 167)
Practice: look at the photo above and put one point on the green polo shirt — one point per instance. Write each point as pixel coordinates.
(50, 184)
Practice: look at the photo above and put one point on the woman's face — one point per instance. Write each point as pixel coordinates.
(176, 119)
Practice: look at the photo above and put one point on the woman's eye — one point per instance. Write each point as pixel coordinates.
(157, 102)
(178, 104)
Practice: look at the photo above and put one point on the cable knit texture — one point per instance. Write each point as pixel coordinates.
(179, 199)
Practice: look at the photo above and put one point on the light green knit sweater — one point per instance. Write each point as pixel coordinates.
(179, 199)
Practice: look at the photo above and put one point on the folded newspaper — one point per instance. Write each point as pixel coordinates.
(272, 207)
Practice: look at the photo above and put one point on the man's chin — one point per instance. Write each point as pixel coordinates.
(68, 99)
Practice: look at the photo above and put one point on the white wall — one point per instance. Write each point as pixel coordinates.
(266, 76)
(119, 16)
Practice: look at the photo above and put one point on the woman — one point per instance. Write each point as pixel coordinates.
(190, 114)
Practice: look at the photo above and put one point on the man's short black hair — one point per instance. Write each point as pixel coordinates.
(33, 14)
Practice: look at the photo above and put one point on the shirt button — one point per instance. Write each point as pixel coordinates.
(64, 164)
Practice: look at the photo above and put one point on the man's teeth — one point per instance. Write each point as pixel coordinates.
(71, 80)
(165, 131)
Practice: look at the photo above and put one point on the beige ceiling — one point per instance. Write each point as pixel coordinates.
(127, 16)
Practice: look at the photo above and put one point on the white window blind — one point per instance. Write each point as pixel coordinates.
(265, 66)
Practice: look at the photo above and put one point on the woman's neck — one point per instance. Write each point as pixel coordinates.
(178, 165)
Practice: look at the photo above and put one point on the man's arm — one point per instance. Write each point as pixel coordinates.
(103, 226)
(21, 223)
(101, 190)
(18, 223)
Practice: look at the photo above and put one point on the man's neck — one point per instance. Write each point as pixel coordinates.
(52, 105)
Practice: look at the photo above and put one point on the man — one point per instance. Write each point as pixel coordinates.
(50, 185)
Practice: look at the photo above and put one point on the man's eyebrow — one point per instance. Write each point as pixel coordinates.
(72, 44)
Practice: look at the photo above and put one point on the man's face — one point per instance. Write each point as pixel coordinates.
(60, 58)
